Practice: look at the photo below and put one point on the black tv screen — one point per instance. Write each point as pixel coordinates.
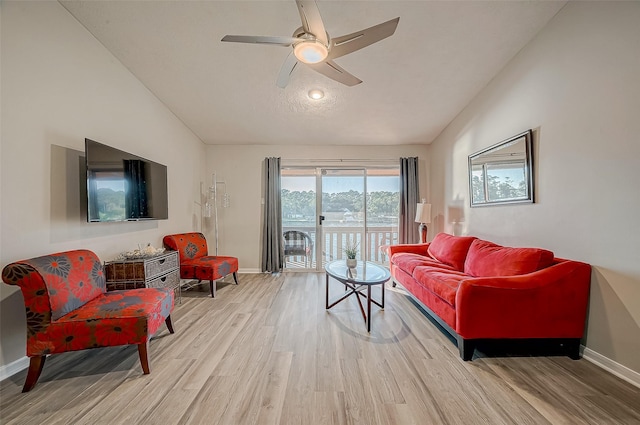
(122, 186)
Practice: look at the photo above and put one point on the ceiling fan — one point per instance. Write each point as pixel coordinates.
(313, 46)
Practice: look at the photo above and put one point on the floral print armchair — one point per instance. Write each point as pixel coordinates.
(195, 261)
(69, 309)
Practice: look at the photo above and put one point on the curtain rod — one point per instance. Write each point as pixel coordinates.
(341, 160)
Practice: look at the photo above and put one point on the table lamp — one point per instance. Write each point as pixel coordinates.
(423, 216)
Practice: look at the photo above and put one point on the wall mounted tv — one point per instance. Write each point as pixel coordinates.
(122, 186)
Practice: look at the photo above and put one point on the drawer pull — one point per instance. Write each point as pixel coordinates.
(161, 261)
(163, 278)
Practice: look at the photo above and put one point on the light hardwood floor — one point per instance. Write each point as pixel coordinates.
(267, 352)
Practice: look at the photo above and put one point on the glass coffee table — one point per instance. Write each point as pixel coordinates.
(358, 281)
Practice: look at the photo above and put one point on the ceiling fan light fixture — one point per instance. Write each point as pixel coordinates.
(316, 94)
(311, 51)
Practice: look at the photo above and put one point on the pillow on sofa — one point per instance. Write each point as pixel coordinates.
(489, 259)
(451, 250)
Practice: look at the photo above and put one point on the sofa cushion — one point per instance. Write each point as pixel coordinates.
(408, 261)
(489, 259)
(443, 283)
(215, 267)
(451, 250)
(114, 318)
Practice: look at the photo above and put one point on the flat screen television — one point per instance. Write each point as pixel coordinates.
(122, 186)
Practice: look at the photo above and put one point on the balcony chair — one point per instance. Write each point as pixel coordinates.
(298, 243)
(195, 263)
(68, 308)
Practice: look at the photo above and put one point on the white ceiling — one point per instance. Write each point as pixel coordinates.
(414, 82)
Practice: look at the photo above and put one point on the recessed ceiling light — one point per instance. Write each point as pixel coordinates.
(316, 94)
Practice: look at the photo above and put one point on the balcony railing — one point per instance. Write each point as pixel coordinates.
(335, 238)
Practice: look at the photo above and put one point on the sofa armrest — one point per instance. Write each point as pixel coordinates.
(548, 303)
(416, 248)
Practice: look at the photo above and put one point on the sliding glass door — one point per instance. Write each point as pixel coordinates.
(323, 208)
(299, 217)
(343, 212)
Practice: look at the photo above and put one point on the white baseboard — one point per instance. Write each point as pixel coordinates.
(249, 271)
(13, 367)
(612, 367)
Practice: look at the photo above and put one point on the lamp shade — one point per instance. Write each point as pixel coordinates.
(423, 213)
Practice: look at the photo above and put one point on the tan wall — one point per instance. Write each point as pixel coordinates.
(241, 168)
(577, 85)
(60, 85)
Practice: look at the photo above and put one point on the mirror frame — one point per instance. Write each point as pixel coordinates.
(528, 170)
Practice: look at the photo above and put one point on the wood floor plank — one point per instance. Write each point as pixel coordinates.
(267, 352)
(359, 403)
(249, 385)
(328, 408)
(176, 402)
(273, 388)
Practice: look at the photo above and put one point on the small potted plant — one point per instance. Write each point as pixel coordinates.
(351, 251)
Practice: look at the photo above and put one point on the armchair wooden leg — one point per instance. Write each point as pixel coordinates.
(35, 369)
(167, 321)
(235, 277)
(212, 288)
(144, 358)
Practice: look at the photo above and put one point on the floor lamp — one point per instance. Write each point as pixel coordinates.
(423, 216)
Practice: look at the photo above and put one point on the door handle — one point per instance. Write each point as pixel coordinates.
(320, 219)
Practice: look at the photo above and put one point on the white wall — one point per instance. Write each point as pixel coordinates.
(241, 168)
(577, 84)
(60, 85)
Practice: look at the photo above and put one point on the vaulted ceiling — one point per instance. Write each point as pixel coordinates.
(414, 82)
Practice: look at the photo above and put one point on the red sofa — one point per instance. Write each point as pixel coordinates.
(479, 290)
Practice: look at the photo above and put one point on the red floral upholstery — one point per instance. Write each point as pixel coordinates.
(68, 308)
(195, 261)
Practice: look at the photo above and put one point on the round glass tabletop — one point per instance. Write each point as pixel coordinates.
(365, 272)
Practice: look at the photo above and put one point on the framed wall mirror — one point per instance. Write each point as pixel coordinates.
(502, 173)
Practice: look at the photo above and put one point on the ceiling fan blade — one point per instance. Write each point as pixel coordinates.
(287, 69)
(262, 39)
(312, 21)
(340, 46)
(335, 72)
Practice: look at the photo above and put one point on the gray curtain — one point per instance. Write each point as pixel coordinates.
(409, 197)
(272, 245)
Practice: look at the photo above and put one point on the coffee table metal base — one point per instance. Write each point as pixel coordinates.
(353, 288)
